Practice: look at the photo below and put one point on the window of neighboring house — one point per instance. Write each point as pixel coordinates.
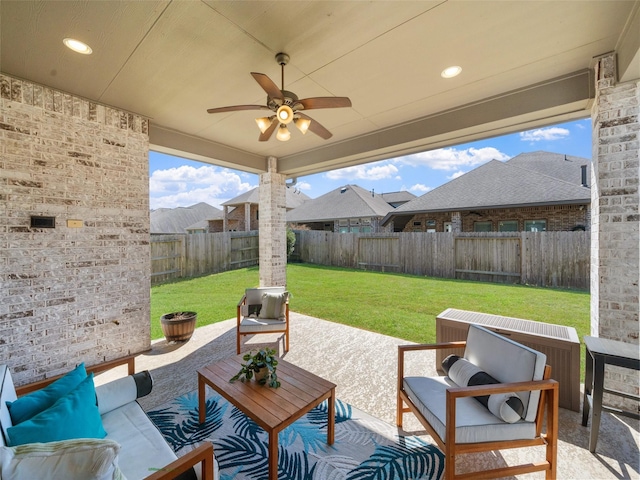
(508, 226)
(366, 229)
(430, 223)
(257, 215)
(482, 227)
(355, 229)
(343, 222)
(535, 225)
(448, 227)
(417, 224)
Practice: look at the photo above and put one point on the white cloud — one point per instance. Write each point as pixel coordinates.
(457, 174)
(546, 134)
(303, 186)
(452, 158)
(418, 187)
(372, 171)
(186, 185)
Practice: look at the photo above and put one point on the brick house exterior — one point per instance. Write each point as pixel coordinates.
(538, 191)
(80, 291)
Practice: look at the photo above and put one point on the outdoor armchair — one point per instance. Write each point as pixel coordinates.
(263, 310)
(513, 389)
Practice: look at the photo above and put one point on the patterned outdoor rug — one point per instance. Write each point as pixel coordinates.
(364, 448)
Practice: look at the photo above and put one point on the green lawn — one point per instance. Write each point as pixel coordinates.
(403, 306)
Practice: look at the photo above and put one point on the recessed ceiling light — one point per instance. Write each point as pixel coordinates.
(451, 72)
(77, 46)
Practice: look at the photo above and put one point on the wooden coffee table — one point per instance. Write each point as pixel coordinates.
(273, 409)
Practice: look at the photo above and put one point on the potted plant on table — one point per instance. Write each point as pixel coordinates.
(261, 365)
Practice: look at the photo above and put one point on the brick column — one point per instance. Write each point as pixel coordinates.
(456, 222)
(272, 225)
(615, 237)
(225, 219)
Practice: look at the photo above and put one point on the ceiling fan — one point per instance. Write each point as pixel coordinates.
(286, 108)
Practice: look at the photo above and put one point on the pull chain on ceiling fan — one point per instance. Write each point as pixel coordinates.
(286, 108)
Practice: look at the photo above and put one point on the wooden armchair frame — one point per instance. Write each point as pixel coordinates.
(203, 454)
(549, 399)
(240, 334)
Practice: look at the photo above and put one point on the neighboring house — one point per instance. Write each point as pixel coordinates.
(395, 199)
(199, 227)
(346, 209)
(538, 191)
(177, 220)
(241, 213)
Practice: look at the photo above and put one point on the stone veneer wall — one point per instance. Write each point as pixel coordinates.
(71, 295)
(615, 238)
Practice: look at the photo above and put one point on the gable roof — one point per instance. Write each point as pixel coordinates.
(557, 165)
(294, 198)
(350, 201)
(500, 185)
(176, 220)
(398, 197)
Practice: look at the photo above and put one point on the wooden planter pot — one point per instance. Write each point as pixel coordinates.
(178, 326)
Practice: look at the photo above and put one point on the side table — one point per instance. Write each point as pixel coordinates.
(601, 352)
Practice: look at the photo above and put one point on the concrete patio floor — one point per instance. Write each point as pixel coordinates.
(363, 365)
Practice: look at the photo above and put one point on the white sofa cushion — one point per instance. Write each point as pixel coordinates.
(505, 406)
(137, 436)
(508, 362)
(79, 459)
(7, 394)
(474, 423)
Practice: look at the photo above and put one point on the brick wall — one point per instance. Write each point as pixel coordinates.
(558, 218)
(273, 228)
(615, 244)
(71, 294)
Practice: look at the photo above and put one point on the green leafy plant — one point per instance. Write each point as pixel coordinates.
(262, 365)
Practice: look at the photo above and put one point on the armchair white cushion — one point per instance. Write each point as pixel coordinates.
(263, 310)
(460, 423)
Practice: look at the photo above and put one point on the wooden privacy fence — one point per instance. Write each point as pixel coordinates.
(184, 256)
(551, 259)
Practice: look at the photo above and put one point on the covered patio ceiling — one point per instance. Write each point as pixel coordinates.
(524, 64)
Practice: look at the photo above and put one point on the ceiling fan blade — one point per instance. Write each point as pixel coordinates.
(269, 131)
(324, 102)
(235, 108)
(267, 85)
(315, 127)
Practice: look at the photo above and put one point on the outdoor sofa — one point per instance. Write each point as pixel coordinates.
(133, 447)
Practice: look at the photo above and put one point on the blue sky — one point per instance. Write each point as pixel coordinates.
(177, 182)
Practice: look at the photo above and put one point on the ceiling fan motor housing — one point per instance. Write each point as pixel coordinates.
(288, 98)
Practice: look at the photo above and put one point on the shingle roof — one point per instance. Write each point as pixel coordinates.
(294, 198)
(557, 165)
(395, 197)
(350, 201)
(175, 220)
(518, 182)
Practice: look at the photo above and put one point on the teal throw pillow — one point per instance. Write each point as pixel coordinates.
(75, 415)
(33, 403)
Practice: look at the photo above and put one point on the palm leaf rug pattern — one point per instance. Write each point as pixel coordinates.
(365, 447)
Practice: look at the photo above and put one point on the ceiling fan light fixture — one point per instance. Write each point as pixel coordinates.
(264, 123)
(302, 124)
(451, 72)
(285, 114)
(283, 133)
